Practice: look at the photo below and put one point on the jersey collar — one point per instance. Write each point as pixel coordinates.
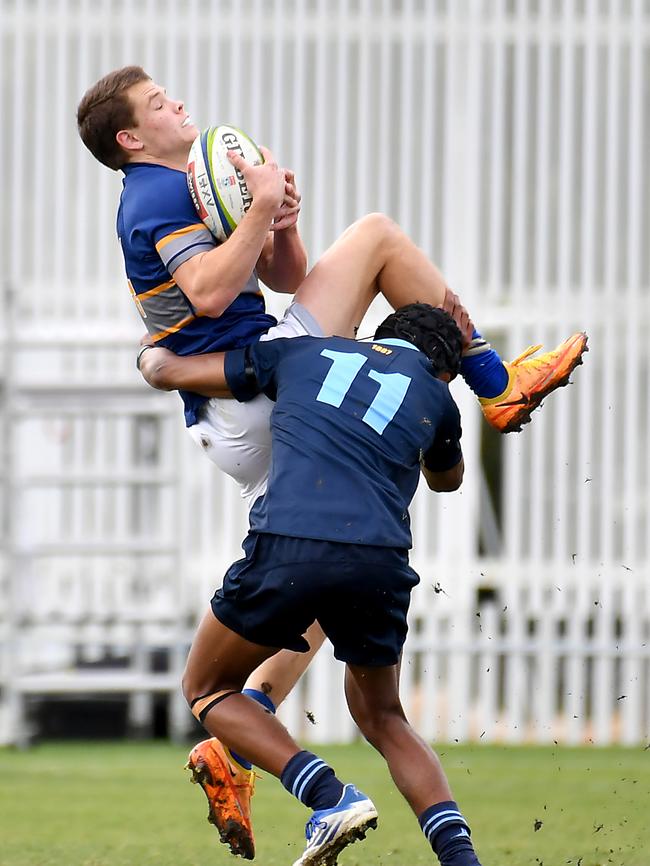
(394, 341)
(132, 166)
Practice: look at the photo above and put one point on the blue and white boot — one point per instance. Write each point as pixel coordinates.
(329, 831)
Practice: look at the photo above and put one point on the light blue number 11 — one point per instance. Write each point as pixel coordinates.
(341, 375)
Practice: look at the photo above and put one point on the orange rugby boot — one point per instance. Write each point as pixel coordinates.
(228, 787)
(530, 380)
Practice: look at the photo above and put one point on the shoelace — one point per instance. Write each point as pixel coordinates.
(526, 354)
(313, 825)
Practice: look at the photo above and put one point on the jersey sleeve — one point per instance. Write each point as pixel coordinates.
(445, 452)
(174, 226)
(252, 370)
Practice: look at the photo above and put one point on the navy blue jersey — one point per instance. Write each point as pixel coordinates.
(348, 428)
(159, 229)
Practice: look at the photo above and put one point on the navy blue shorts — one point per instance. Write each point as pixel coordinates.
(359, 594)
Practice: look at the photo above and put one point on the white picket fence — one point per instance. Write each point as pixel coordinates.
(510, 139)
(537, 661)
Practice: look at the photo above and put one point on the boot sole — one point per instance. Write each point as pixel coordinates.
(231, 831)
(328, 855)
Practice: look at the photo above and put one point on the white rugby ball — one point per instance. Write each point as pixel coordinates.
(218, 190)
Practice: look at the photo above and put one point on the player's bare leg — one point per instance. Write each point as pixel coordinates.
(221, 661)
(227, 784)
(372, 256)
(218, 664)
(373, 699)
(278, 675)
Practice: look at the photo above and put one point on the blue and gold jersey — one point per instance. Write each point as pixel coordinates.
(348, 427)
(159, 229)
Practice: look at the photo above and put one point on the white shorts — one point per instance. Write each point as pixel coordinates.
(237, 436)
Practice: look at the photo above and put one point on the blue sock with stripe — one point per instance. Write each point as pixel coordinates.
(448, 834)
(312, 781)
(482, 368)
(263, 699)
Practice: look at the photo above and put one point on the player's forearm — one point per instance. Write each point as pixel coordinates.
(224, 271)
(287, 266)
(202, 374)
(445, 481)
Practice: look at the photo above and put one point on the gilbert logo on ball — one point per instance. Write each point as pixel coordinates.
(218, 190)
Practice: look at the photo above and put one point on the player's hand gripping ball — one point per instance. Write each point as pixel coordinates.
(218, 190)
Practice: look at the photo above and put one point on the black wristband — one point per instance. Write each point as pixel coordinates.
(443, 457)
(140, 353)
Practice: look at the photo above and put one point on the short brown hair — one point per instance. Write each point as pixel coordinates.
(104, 110)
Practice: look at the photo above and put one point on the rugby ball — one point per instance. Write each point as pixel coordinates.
(219, 192)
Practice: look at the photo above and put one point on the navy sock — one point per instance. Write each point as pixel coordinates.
(312, 781)
(482, 368)
(448, 834)
(268, 704)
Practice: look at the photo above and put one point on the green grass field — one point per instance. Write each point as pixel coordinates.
(131, 804)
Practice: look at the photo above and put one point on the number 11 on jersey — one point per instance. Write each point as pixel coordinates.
(345, 368)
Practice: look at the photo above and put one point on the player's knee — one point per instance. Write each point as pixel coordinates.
(380, 226)
(193, 688)
(189, 690)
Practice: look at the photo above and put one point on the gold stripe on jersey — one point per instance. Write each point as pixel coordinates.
(150, 293)
(173, 329)
(134, 295)
(165, 309)
(177, 234)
